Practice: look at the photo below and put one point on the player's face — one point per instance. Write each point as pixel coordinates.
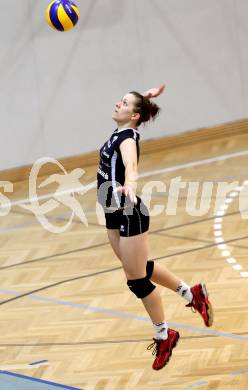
(123, 112)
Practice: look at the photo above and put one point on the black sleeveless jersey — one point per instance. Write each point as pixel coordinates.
(111, 171)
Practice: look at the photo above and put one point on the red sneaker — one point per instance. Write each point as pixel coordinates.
(201, 303)
(163, 349)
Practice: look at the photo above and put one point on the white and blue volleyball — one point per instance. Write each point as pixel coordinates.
(62, 15)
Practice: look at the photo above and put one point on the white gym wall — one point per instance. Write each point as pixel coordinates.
(57, 90)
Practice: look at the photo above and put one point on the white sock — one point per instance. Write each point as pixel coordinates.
(161, 330)
(184, 291)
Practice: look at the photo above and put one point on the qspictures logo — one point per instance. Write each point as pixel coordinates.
(197, 198)
(67, 185)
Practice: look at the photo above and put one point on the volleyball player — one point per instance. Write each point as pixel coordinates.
(127, 222)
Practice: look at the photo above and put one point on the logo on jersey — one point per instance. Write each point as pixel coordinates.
(103, 174)
(106, 154)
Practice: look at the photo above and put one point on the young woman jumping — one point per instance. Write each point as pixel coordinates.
(127, 222)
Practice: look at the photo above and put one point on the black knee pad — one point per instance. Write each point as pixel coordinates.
(141, 287)
(149, 268)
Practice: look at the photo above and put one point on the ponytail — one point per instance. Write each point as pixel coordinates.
(145, 107)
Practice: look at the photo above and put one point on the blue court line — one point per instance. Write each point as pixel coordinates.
(39, 380)
(122, 314)
(239, 372)
(204, 382)
(197, 384)
(41, 361)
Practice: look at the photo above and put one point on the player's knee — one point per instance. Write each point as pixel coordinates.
(149, 268)
(141, 287)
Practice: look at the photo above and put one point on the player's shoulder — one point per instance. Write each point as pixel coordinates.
(127, 133)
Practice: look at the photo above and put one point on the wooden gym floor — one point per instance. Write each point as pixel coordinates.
(64, 300)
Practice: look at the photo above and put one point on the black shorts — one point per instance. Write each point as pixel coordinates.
(130, 221)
